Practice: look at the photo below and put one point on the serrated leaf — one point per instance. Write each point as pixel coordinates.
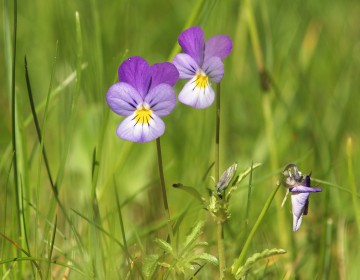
(205, 257)
(164, 245)
(243, 270)
(194, 234)
(150, 265)
(189, 250)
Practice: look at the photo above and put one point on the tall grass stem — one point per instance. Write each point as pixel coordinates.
(13, 121)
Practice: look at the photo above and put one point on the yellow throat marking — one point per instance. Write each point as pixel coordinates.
(201, 80)
(143, 114)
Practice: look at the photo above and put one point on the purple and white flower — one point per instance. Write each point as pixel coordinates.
(300, 200)
(202, 64)
(143, 95)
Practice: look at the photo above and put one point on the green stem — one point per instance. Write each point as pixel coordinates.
(13, 122)
(221, 251)
(163, 186)
(237, 264)
(217, 134)
(220, 222)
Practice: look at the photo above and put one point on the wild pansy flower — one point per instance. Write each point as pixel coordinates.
(143, 95)
(201, 63)
(300, 190)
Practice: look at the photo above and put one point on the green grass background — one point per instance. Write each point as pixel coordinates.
(311, 50)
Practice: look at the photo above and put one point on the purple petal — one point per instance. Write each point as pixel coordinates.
(132, 131)
(186, 65)
(192, 43)
(163, 73)
(298, 201)
(304, 189)
(219, 45)
(214, 68)
(123, 99)
(161, 99)
(136, 72)
(195, 96)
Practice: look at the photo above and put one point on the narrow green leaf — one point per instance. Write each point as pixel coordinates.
(247, 172)
(239, 179)
(51, 248)
(190, 190)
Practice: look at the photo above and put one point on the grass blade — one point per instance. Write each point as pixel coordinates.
(13, 122)
(123, 229)
(51, 248)
(33, 260)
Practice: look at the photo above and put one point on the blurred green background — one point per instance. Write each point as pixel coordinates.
(311, 50)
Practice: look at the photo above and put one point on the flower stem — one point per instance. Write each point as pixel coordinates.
(220, 222)
(221, 251)
(163, 187)
(217, 133)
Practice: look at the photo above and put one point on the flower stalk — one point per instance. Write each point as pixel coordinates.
(163, 187)
(162, 178)
(220, 222)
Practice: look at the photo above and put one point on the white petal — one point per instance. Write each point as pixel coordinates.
(197, 96)
(133, 131)
(298, 201)
(296, 222)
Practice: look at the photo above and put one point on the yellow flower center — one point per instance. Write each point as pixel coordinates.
(143, 114)
(201, 80)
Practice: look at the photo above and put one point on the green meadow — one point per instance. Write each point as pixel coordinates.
(78, 202)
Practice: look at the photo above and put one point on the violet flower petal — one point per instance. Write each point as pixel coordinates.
(304, 189)
(163, 73)
(123, 99)
(132, 131)
(161, 99)
(186, 65)
(136, 72)
(192, 42)
(219, 45)
(197, 97)
(214, 68)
